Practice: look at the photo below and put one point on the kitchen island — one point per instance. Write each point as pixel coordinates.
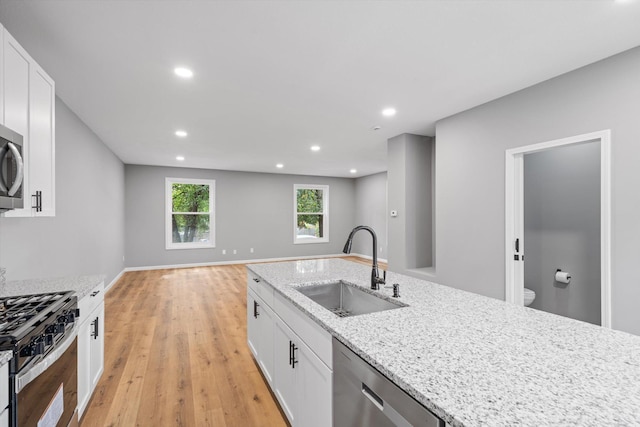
(474, 360)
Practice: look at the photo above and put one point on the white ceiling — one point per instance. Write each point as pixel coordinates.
(273, 78)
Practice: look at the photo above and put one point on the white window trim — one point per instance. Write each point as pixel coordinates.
(325, 213)
(169, 245)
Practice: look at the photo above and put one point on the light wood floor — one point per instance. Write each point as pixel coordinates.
(176, 353)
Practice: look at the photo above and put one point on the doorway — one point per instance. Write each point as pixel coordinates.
(547, 175)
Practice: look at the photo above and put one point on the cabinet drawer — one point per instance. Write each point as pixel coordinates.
(89, 303)
(316, 338)
(263, 289)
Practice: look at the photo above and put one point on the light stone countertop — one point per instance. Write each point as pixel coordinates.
(478, 361)
(5, 356)
(81, 285)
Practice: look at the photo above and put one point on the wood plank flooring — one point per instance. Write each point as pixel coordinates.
(176, 353)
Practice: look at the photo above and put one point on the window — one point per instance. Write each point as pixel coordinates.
(190, 213)
(311, 213)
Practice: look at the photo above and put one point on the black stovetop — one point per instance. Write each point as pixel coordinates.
(21, 314)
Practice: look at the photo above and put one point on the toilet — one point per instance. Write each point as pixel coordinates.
(529, 296)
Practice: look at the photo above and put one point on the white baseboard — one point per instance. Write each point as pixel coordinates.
(114, 281)
(245, 261)
(368, 257)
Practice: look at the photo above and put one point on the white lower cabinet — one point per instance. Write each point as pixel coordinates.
(281, 339)
(90, 345)
(260, 323)
(302, 382)
(4, 395)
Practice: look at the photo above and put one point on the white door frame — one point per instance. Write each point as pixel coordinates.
(514, 216)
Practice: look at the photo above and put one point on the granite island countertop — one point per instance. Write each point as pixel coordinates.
(479, 361)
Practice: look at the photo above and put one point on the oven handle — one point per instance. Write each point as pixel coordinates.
(32, 373)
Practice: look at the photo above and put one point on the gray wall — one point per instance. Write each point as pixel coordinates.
(371, 210)
(86, 235)
(253, 210)
(562, 229)
(470, 157)
(410, 182)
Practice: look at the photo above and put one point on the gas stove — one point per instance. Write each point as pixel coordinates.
(31, 325)
(40, 330)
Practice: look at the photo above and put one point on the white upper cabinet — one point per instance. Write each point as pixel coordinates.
(27, 98)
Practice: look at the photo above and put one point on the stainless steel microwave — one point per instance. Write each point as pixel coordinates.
(11, 170)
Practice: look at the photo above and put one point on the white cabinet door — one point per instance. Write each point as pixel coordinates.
(1, 75)
(284, 371)
(253, 324)
(266, 320)
(15, 75)
(260, 321)
(42, 140)
(315, 385)
(84, 365)
(28, 98)
(303, 384)
(90, 354)
(97, 347)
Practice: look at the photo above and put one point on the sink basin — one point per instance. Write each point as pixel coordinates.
(346, 300)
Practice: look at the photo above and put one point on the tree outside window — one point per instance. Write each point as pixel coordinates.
(190, 213)
(311, 213)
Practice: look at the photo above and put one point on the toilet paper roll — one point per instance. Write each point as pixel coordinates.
(563, 277)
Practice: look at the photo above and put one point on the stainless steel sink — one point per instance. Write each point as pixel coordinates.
(346, 300)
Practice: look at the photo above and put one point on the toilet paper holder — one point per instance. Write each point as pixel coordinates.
(562, 277)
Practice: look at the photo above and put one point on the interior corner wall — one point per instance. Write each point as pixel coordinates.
(87, 234)
(470, 174)
(410, 237)
(253, 210)
(371, 210)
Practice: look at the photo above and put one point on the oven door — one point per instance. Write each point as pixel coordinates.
(47, 393)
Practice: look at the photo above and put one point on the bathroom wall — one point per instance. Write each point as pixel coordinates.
(470, 175)
(562, 229)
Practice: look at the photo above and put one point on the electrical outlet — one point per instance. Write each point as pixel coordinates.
(251, 250)
(235, 252)
(224, 252)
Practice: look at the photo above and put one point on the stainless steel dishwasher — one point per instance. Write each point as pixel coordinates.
(362, 396)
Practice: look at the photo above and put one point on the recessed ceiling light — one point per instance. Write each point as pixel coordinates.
(180, 158)
(353, 171)
(279, 165)
(185, 73)
(315, 148)
(388, 112)
(181, 133)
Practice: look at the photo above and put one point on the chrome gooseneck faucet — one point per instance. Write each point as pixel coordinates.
(376, 280)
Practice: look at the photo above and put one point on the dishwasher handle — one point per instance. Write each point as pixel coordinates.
(374, 398)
